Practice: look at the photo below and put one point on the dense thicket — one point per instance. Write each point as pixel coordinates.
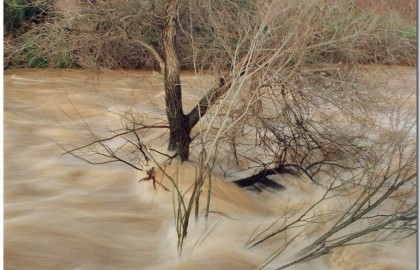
(42, 33)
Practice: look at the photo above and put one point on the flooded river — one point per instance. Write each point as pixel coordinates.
(62, 213)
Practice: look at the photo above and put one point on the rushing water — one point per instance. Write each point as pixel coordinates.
(62, 213)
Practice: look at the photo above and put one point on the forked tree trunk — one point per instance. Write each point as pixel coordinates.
(180, 129)
(179, 123)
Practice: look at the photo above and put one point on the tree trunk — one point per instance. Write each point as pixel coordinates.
(179, 136)
(179, 123)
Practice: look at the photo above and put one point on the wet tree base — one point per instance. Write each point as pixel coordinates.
(260, 180)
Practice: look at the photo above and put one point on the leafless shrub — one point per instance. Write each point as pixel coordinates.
(377, 197)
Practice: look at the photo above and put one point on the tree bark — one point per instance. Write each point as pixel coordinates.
(205, 102)
(179, 136)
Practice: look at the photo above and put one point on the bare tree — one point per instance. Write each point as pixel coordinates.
(129, 23)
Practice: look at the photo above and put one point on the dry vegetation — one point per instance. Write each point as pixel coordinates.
(38, 33)
(289, 98)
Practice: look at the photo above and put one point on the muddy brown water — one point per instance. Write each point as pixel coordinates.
(61, 213)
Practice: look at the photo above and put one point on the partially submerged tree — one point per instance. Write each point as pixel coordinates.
(249, 45)
(156, 27)
(280, 108)
(377, 200)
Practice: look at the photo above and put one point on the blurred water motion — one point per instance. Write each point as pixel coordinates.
(61, 213)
